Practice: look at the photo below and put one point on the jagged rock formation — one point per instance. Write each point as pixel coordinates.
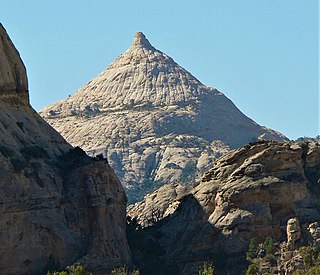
(157, 205)
(155, 122)
(57, 205)
(251, 192)
(293, 233)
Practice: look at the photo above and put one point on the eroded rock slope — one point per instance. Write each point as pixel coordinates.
(155, 122)
(251, 192)
(57, 205)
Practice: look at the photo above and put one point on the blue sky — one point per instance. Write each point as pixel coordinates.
(262, 54)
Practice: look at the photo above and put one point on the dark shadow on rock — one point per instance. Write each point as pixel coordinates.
(180, 243)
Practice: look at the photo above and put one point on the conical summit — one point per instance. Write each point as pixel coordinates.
(154, 121)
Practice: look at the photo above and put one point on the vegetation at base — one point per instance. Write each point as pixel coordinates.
(311, 261)
(309, 255)
(261, 254)
(206, 269)
(269, 246)
(71, 270)
(252, 249)
(252, 270)
(125, 271)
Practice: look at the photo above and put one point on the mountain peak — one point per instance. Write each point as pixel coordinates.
(140, 41)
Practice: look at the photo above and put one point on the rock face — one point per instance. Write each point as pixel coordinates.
(57, 205)
(251, 192)
(157, 205)
(155, 122)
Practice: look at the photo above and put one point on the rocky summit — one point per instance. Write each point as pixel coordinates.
(264, 189)
(153, 120)
(57, 205)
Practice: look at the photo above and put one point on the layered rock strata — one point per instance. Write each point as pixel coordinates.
(154, 121)
(57, 205)
(250, 192)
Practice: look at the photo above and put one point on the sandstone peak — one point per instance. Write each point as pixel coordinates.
(153, 119)
(13, 76)
(140, 41)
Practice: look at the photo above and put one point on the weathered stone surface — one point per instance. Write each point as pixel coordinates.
(57, 205)
(13, 77)
(157, 205)
(151, 117)
(293, 233)
(314, 230)
(251, 192)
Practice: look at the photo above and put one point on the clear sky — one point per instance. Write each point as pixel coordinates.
(262, 54)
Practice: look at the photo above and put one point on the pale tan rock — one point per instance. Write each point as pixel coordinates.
(150, 117)
(56, 203)
(293, 232)
(314, 230)
(157, 205)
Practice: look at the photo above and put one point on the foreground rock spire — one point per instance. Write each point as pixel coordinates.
(154, 120)
(57, 205)
(13, 77)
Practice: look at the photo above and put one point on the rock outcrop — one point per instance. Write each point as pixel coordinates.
(154, 121)
(57, 205)
(251, 192)
(293, 233)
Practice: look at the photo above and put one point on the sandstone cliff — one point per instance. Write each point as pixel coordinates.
(57, 205)
(251, 192)
(155, 122)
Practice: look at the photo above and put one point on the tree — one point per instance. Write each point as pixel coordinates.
(252, 249)
(206, 269)
(269, 246)
(309, 255)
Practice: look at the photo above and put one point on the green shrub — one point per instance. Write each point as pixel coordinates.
(206, 269)
(252, 249)
(271, 259)
(309, 255)
(124, 271)
(252, 270)
(72, 270)
(269, 246)
(314, 270)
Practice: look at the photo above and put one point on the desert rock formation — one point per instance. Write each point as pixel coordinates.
(57, 205)
(251, 192)
(153, 120)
